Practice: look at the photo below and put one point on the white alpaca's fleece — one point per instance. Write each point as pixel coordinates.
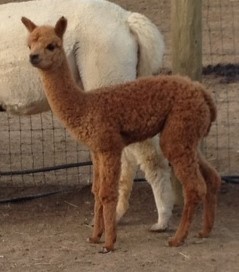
(105, 45)
(102, 44)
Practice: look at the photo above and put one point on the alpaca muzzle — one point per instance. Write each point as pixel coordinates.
(2, 108)
(34, 59)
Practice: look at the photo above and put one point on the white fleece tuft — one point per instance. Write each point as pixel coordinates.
(151, 44)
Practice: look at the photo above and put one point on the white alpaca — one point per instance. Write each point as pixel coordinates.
(105, 45)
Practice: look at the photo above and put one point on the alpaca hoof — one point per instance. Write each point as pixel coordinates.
(172, 242)
(158, 227)
(105, 250)
(92, 240)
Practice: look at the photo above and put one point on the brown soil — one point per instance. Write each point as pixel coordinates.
(49, 234)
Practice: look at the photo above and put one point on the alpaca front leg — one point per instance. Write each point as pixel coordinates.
(164, 199)
(98, 227)
(128, 170)
(157, 172)
(158, 177)
(109, 213)
(110, 171)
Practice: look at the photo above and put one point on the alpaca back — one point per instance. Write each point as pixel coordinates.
(135, 109)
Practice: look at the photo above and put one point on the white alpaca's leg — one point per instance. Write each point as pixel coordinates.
(157, 173)
(128, 170)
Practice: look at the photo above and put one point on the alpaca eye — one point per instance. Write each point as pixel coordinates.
(29, 46)
(50, 47)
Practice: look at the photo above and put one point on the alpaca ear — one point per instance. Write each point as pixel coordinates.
(28, 24)
(60, 27)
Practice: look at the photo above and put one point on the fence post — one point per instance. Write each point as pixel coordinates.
(186, 29)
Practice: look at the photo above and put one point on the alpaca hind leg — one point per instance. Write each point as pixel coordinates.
(98, 227)
(108, 193)
(187, 171)
(128, 170)
(213, 183)
(157, 172)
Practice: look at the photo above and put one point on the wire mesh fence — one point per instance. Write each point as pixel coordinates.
(221, 64)
(38, 142)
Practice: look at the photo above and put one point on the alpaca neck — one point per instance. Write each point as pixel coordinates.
(62, 92)
(59, 81)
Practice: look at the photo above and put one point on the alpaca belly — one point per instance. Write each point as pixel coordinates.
(142, 133)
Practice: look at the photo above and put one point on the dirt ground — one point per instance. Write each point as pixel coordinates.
(49, 234)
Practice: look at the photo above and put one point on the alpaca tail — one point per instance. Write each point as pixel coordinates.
(212, 107)
(150, 42)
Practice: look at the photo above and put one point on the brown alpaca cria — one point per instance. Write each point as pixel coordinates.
(108, 119)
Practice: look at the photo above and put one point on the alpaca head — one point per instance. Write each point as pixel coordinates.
(46, 44)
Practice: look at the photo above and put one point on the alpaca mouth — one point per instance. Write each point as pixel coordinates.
(35, 62)
(2, 108)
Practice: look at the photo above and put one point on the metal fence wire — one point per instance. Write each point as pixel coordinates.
(36, 150)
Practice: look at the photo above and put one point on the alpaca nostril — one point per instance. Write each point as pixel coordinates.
(34, 58)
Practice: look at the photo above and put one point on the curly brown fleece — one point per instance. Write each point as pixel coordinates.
(108, 119)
